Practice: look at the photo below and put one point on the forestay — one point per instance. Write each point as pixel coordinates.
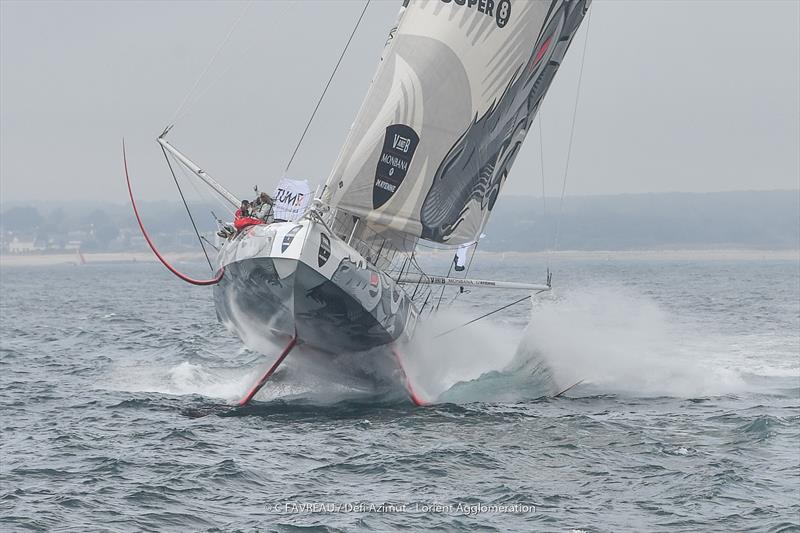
(453, 98)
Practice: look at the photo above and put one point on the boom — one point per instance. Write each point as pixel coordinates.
(462, 282)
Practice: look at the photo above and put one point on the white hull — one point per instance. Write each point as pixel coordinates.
(296, 278)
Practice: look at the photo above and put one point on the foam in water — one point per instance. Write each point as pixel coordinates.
(185, 378)
(312, 376)
(481, 362)
(617, 341)
(621, 342)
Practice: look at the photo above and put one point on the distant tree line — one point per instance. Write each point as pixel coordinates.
(96, 227)
(750, 219)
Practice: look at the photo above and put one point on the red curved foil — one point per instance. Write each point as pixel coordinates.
(172, 269)
(416, 398)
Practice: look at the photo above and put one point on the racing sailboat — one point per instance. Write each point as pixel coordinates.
(457, 88)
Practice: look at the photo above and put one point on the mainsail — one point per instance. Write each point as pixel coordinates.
(453, 98)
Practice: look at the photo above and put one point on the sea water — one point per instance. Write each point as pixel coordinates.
(686, 418)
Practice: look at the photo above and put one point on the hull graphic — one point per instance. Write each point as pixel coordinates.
(343, 305)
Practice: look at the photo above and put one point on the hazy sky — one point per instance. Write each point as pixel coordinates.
(676, 95)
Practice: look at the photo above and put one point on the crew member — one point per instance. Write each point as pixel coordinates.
(263, 207)
(244, 209)
(243, 217)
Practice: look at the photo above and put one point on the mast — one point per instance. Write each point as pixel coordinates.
(197, 171)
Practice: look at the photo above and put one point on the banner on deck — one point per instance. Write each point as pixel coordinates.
(291, 199)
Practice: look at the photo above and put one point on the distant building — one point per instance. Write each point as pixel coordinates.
(17, 246)
(5, 240)
(77, 235)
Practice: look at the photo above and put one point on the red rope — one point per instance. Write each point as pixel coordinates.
(172, 269)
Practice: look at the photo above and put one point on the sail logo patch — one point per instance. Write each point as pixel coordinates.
(399, 145)
(324, 249)
(290, 198)
(499, 9)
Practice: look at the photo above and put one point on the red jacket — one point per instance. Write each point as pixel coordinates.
(240, 222)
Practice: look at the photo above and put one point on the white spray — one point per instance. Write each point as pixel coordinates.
(621, 342)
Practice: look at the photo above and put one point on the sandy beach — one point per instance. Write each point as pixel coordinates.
(106, 257)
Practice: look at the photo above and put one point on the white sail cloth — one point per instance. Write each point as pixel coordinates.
(453, 98)
(460, 259)
(291, 199)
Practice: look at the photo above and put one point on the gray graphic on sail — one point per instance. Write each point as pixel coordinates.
(469, 86)
(476, 166)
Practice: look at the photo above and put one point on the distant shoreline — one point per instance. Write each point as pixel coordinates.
(722, 254)
(101, 257)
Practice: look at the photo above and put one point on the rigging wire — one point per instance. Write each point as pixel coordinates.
(515, 302)
(178, 112)
(199, 238)
(466, 273)
(544, 197)
(192, 179)
(441, 294)
(471, 257)
(280, 17)
(544, 201)
(572, 132)
(327, 85)
(213, 281)
(211, 244)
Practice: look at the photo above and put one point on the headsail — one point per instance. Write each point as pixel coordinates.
(452, 101)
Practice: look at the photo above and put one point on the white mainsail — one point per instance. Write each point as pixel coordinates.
(453, 98)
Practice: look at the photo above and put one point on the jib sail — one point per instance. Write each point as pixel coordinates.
(454, 96)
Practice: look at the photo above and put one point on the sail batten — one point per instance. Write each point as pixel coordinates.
(457, 88)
